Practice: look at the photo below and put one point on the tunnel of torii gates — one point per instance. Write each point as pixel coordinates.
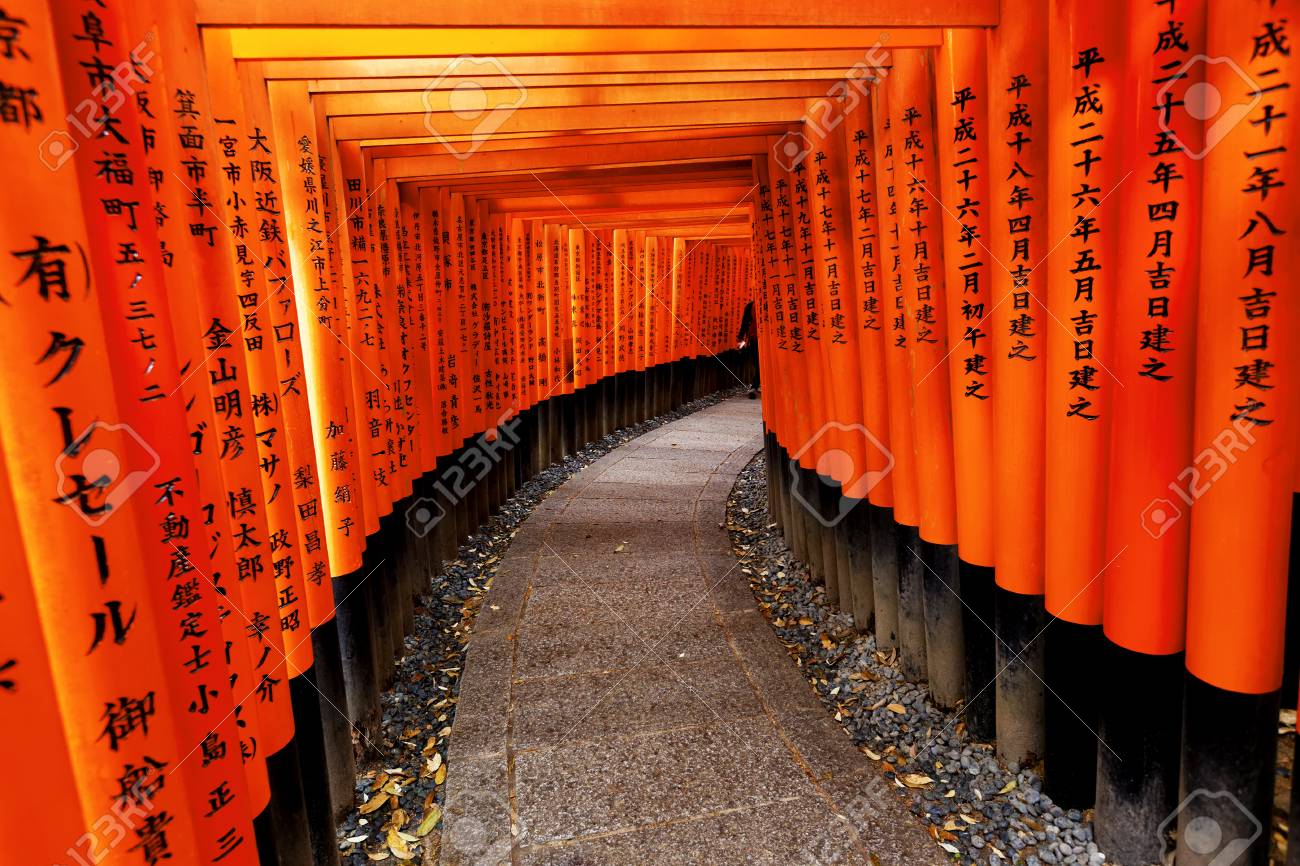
(295, 293)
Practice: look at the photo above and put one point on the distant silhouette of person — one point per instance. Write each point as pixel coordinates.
(747, 343)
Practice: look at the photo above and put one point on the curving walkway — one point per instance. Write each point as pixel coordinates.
(624, 701)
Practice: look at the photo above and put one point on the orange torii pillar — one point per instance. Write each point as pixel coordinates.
(898, 376)
(840, 246)
(1086, 59)
(63, 434)
(1245, 436)
(789, 336)
(1017, 319)
(1144, 589)
(932, 559)
(961, 103)
(845, 476)
(878, 534)
(820, 435)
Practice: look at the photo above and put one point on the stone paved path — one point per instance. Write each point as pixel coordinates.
(624, 702)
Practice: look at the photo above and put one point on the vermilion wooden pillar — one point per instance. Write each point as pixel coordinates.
(1086, 60)
(1018, 322)
(1245, 439)
(1144, 589)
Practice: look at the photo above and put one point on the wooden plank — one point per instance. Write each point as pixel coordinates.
(597, 13)
(430, 66)
(472, 45)
(610, 156)
(584, 79)
(448, 99)
(572, 118)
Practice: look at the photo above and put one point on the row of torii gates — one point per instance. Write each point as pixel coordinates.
(296, 293)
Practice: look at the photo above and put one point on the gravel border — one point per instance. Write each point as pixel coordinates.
(419, 712)
(976, 809)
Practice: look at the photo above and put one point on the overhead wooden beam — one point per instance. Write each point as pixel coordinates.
(582, 117)
(448, 99)
(610, 13)
(585, 79)
(431, 66)
(610, 155)
(488, 47)
(384, 148)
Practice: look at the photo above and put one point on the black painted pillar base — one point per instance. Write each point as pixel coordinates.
(828, 492)
(981, 649)
(356, 635)
(856, 529)
(911, 605)
(1229, 760)
(647, 391)
(335, 725)
(288, 808)
(459, 498)
(1019, 621)
(569, 421)
(945, 637)
(769, 463)
(309, 737)
(1293, 821)
(808, 494)
(1139, 752)
(884, 574)
(556, 421)
(608, 408)
(789, 473)
(1071, 713)
(403, 544)
(477, 497)
(839, 533)
(395, 594)
(264, 835)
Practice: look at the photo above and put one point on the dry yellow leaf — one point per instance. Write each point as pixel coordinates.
(430, 820)
(398, 846)
(373, 805)
(915, 780)
(440, 776)
(897, 708)
(1008, 787)
(378, 855)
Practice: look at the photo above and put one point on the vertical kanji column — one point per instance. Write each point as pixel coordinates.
(920, 214)
(962, 104)
(1017, 320)
(1086, 95)
(1144, 590)
(1244, 431)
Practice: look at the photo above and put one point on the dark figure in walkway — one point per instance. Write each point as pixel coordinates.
(747, 343)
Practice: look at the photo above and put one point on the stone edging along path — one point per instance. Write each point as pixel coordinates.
(624, 701)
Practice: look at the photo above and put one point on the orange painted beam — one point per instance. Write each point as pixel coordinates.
(624, 13)
(263, 43)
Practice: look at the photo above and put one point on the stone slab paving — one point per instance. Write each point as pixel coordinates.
(624, 701)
